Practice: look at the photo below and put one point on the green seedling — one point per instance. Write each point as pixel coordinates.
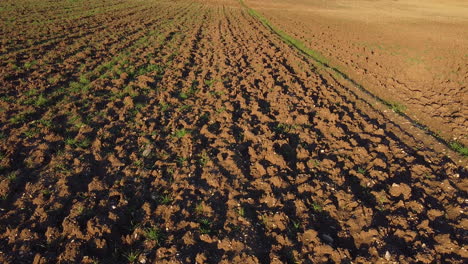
(12, 176)
(132, 256)
(199, 208)
(220, 110)
(217, 93)
(181, 161)
(296, 225)
(138, 163)
(193, 88)
(165, 199)
(30, 133)
(52, 80)
(183, 96)
(164, 107)
(180, 133)
(185, 107)
(70, 141)
(241, 211)
(153, 68)
(397, 107)
(362, 171)
(204, 159)
(205, 117)
(20, 117)
(459, 148)
(317, 207)
(85, 143)
(382, 200)
(41, 101)
(28, 65)
(81, 86)
(83, 80)
(154, 234)
(316, 163)
(205, 226)
(428, 176)
(210, 83)
(284, 128)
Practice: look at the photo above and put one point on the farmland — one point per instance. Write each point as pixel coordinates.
(189, 131)
(410, 53)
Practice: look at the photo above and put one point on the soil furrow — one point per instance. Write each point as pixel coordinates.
(198, 136)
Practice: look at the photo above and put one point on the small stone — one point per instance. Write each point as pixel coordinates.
(387, 256)
(146, 152)
(327, 238)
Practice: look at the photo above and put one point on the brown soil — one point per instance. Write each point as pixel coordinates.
(412, 52)
(186, 132)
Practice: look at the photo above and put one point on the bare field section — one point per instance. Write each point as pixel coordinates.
(411, 53)
(154, 131)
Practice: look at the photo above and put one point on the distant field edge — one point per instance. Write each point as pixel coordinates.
(322, 61)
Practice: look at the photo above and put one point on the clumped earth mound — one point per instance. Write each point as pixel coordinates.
(187, 132)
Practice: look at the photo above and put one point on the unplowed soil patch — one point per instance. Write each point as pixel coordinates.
(187, 132)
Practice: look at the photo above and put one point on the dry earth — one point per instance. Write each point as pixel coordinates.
(412, 53)
(187, 132)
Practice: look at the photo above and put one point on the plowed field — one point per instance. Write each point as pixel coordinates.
(411, 53)
(185, 131)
